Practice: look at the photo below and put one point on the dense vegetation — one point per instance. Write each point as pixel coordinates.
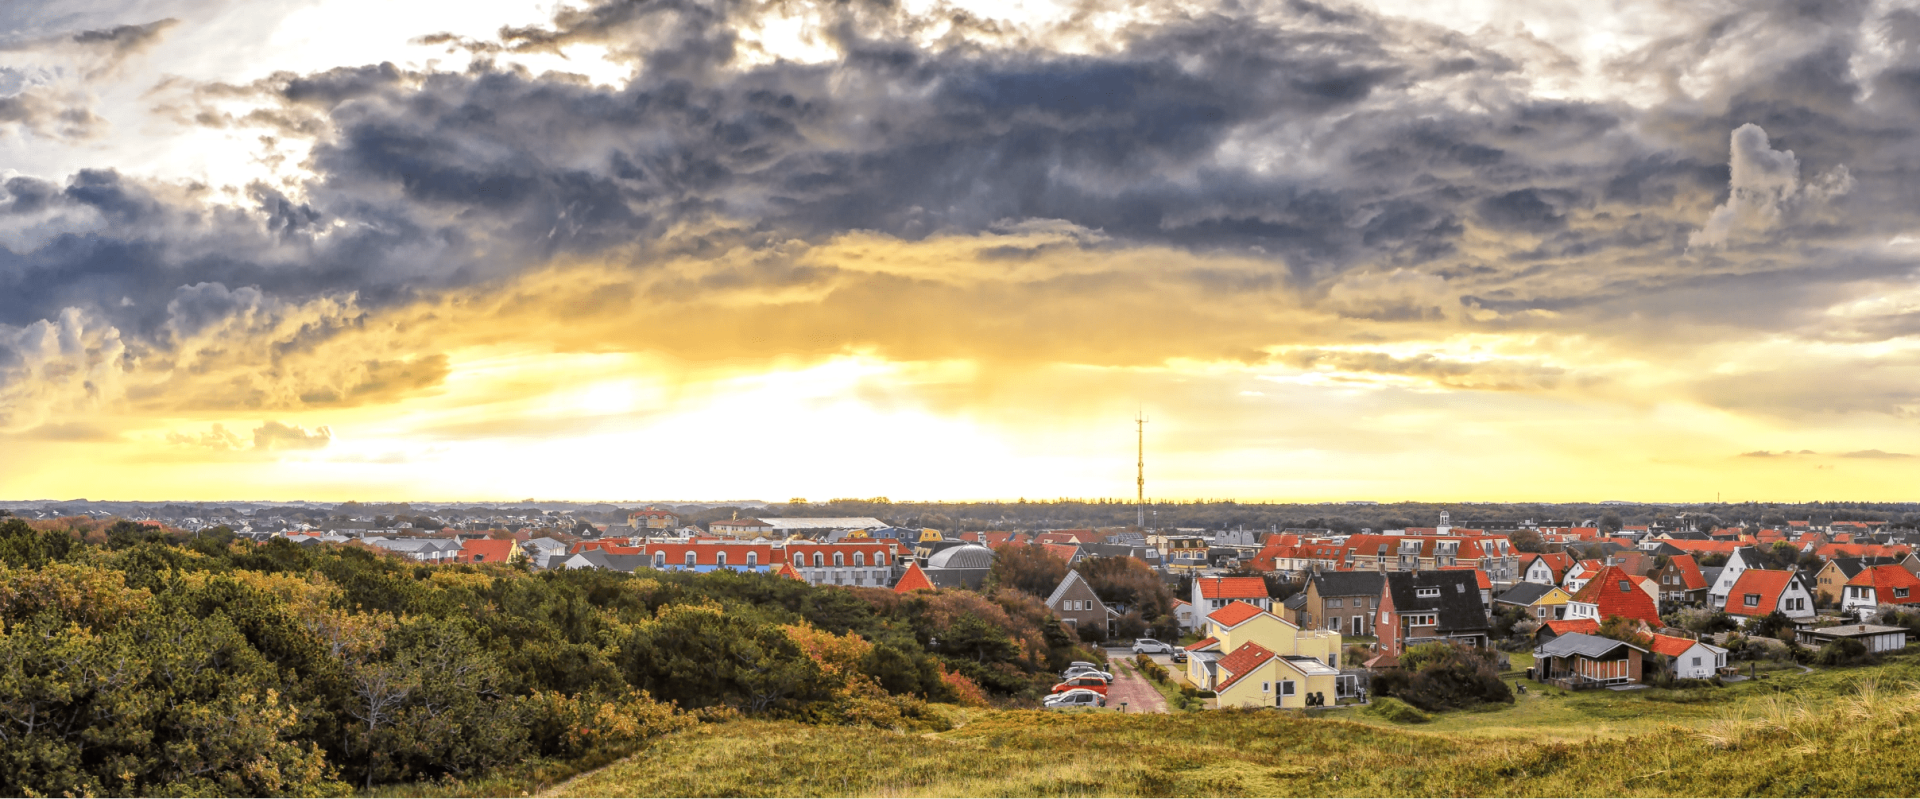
(144, 665)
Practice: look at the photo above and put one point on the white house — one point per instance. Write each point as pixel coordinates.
(1692, 660)
(1742, 559)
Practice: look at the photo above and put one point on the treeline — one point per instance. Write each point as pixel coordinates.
(1339, 517)
(146, 665)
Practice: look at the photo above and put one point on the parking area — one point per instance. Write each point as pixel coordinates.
(1130, 687)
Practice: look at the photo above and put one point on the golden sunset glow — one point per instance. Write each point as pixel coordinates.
(515, 249)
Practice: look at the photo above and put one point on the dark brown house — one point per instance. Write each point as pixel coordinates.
(1074, 603)
(1346, 602)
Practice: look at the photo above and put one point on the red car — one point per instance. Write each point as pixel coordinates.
(1094, 684)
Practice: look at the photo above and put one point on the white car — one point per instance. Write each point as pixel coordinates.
(1087, 672)
(1147, 646)
(1078, 697)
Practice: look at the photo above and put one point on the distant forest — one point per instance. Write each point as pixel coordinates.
(1340, 517)
(1076, 513)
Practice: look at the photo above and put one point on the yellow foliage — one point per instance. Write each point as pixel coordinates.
(93, 597)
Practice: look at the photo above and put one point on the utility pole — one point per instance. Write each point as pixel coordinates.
(1140, 502)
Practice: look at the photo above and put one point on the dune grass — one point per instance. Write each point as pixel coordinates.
(1833, 734)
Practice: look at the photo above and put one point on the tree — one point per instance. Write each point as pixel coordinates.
(1620, 628)
(1610, 522)
(1027, 567)
(1129, 583)
(1527, 541)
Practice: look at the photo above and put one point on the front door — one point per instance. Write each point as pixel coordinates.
(1359, 625)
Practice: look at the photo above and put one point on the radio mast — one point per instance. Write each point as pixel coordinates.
(1140, 502)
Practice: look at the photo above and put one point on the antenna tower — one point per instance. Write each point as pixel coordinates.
(1140, 482)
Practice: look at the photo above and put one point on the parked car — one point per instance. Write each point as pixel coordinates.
(1081, 664)
(1076, 698)
(1180, 655)
(1148, 646)
(1072, 673)
(1090, 682)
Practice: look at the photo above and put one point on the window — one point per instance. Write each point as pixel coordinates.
(879, 559)
(1286, 688)
(1426, 592)
(690, 560)
(1625, 586)
(819, 560)
(799, 559)
(1899, 593)
(753, 558)
(859, 558)
(839, 559)
(659, 560)
(1696, 661)
(1333, 603)
(719, 558)
(1266, 687)
(1753, 600)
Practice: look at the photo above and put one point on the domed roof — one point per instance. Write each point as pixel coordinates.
(965, 556)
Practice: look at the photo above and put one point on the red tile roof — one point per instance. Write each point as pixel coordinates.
(1233, 614)
(486, 550)
(1557, 561)
(1832, 551)
(913, 580)
(1063, 551)
(1202, 644)
(1617, 593)
(1066, 537)
(1705, 546)
(1231, 587)
(1768, 583)
(1689, 571)
(1242, 662)
(1883, 579)
(787, 570)
(1670, 645)
(1564, 626)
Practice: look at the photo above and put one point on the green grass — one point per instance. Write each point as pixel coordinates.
(1828, 733)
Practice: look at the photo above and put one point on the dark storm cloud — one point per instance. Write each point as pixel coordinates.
(1330, 143)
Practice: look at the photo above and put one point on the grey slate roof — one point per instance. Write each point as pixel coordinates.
(1355, 583)
(1060, 591)
(1524, 594)
(1584, 645)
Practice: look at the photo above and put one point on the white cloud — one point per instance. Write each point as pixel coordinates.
(1765, 187)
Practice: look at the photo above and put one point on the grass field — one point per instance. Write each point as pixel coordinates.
(1828, 733)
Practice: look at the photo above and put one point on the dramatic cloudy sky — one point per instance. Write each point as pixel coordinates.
(493, 249)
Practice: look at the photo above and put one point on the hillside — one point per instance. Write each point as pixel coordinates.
(1832, 741)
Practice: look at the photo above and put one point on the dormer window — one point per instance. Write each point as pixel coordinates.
(1426, 592)
(1753, 600)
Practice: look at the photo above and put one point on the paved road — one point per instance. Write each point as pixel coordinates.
(1129, 687)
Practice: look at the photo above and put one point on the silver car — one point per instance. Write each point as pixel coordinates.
(1078, 697)
(1148, 646)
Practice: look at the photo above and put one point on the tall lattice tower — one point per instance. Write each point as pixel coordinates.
(1140, 482)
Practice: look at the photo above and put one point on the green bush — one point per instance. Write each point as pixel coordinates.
(1844, 652)
(1396, 711)
(1439, 676)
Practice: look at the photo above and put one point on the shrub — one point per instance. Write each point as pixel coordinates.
(1844, 652)
(1396, 711)
(1439, 676)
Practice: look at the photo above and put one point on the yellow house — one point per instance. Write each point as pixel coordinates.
(1543, 602)
(1252, 658)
